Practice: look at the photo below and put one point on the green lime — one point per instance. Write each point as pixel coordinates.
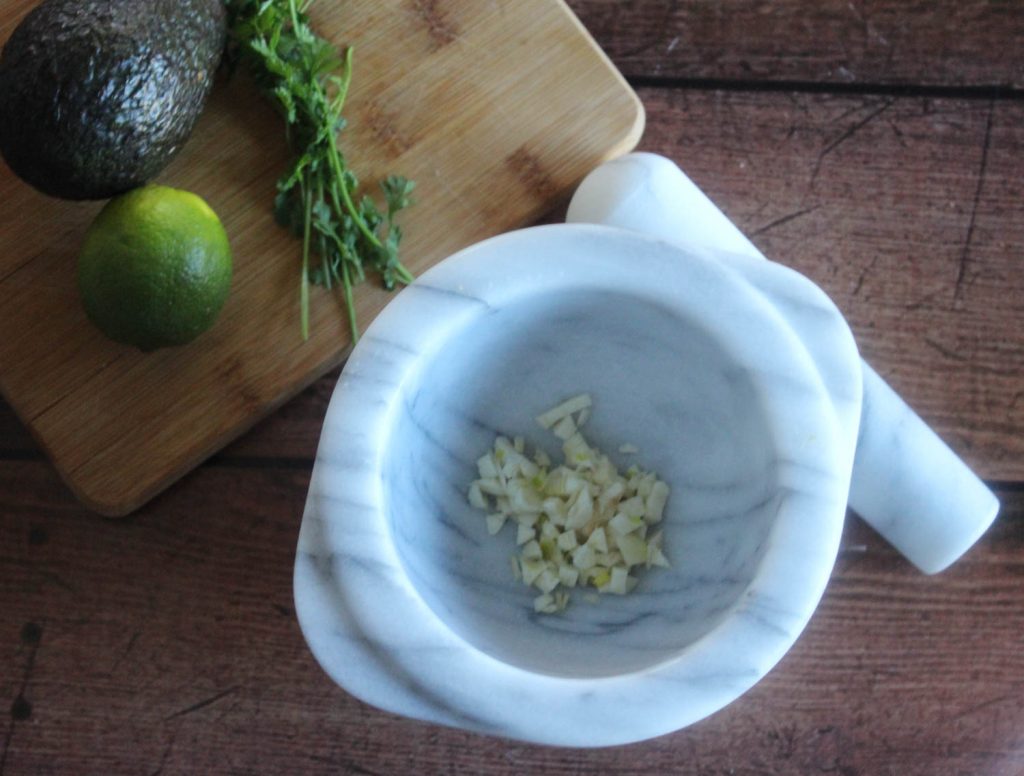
(155, 267)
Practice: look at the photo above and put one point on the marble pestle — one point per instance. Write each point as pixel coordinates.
(907, 483)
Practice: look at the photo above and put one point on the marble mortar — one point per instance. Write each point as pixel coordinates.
(740, 383)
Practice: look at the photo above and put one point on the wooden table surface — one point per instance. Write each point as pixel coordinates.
(875, 145)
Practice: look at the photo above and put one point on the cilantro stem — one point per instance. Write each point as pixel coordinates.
(350, 302)
(343, 83)
(404, 274)
(308, 80)
(346, 196)
(304, 281)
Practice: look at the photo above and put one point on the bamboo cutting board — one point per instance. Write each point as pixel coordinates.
(495, 107)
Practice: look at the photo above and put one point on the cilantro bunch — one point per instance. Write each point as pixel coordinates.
(307, 79)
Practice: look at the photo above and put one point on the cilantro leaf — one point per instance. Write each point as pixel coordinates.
(307, 79)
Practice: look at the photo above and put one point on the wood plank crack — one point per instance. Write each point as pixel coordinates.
(864, 275)
(203, 703)
(961, 274)
(849, 132)
(165, 756)
(784, 220)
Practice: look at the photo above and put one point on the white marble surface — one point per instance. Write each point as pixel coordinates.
(691, 355)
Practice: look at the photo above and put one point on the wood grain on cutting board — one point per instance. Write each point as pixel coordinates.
(495, 108)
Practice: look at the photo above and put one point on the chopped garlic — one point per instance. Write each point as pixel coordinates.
(633, 507)
(495, 523)
(564, 428)
(568, 576)
(532, 569)
(476, 498)
(524, 534)
(655, 504)
(578, 524)
(578, 452)
(610, 496)
(556, 510)
(549, 603)
(584, 557)
(544, 603)
(492, 487)
(655, 557)
(486, 467)
(532, 551)
(597, 540)
(567, 541)
(617, 583)
(633, 549)
(581, 510)
(566, 408)
(623, 524)
(547, 581)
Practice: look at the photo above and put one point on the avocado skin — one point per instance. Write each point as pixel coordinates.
(97, 96)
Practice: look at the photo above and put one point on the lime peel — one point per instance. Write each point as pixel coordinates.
(155, 267)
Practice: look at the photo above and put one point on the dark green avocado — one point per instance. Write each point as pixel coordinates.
(96, 96)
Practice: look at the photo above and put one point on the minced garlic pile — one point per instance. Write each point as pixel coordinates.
(580, 523)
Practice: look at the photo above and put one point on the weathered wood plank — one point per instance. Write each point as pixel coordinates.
(167, 643)
(939, 43)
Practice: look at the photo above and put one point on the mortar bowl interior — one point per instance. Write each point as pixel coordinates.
(660, 381)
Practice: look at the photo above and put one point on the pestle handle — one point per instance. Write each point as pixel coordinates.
(907, 483)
